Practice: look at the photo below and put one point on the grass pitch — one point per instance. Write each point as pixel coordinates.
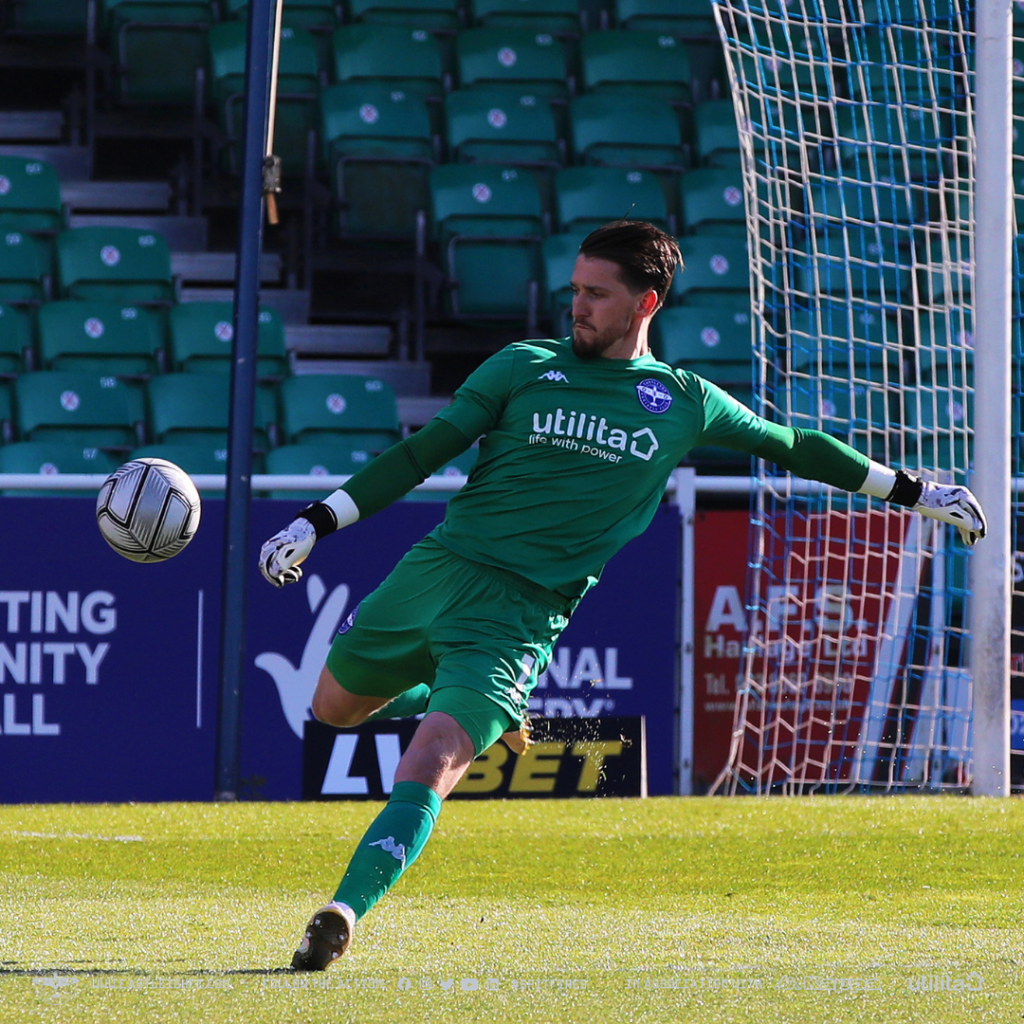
(784, 910)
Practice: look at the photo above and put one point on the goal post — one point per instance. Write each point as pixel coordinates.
(859, 126)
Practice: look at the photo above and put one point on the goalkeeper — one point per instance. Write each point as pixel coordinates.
(578, 439)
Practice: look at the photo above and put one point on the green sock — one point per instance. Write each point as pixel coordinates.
(405, 705)
(390, 845)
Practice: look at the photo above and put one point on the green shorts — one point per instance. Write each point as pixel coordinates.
(443, 620)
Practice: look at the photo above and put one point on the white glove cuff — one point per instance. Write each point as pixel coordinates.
(343, 507)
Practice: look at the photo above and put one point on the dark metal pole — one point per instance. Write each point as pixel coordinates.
(243, 396)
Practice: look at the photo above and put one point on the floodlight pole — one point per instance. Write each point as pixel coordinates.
(991, 562)
(258, 67)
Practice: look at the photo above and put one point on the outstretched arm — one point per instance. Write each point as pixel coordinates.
(815, 455)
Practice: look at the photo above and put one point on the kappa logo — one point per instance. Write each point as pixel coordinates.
(397, 850)
(554, 375)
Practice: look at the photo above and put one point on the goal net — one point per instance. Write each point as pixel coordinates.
(856, 145)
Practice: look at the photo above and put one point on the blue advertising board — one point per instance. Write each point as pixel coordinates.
(108, 669)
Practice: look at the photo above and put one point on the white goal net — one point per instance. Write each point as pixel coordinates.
(857, 147)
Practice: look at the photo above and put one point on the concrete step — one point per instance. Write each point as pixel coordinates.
(219, 267)
(416, 410)
(72, 163)
(117, 195)
(333, 340)
(291, 304)
(182, 233)
(37, 125)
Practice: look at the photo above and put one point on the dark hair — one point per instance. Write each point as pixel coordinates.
(647, 257)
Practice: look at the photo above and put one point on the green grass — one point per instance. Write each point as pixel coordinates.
(661, 910)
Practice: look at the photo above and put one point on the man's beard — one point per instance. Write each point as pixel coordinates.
(591, 344)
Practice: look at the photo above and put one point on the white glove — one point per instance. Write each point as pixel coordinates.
(955, 505)
(281, 556)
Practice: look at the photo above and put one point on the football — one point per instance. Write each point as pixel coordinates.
(148, 510)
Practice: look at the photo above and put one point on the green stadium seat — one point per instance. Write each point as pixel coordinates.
(6, 413)
(97, 337)
(22, 273)
(48, 17)
(626, 131)
(711, 201)
(193, 408)
(648, 63)
(898, 67)
(864, 264)
(79, 408)
(559, 254)
(861, 331)
(459, 466)
(316, 406)
(859, 411)
(50, 458)
(489, 227)
(379, 149)
(30, 202)
(337, 457)
(201, 333)
(685, 18)
(158, 45)
(389, 55)
(710, 341)
(587, 197)
(939, 420)
(716, 137)
(898, 143)
(16, 349)
(298, 87)
(433, 15)
(834, 204)
(532, 61)
(715, 272)
(501, 127)
(118, 264)
(555, 17)
(311, 15)
(946, 267)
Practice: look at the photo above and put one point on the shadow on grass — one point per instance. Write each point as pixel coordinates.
(9, 970)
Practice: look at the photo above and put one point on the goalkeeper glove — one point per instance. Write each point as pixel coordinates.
(948, 503)
(282, 555)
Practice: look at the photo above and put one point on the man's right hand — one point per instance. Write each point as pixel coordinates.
(281, 556)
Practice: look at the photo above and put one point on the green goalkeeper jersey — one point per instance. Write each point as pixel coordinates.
(575, 455)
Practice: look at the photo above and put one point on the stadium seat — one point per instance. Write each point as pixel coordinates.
(6, 412)
(99, 337)
(587, 197)
(715, 272)
(501, 127)
(685, 18)
(711, 201)
(707, 340)
(648, 63)
(716, 137)
(193, 408)
(532, 61)
(939, 421)
(860, 411)
(857, 264)
(201, 334)
(311, 15)
(389, 55)
(48, 17)
(559, 254)
(30, 202)
(898, 67)
(336, 457)
(49, 458)
(80, 408)
(946, 267)
(626, 131)
(379, 150)
(459, 466)
(555, 17)
(319, 405)
(432, 15)
(16, 349)
(158, 45)
(22, 274)
(298, 87)
(489, 227)
(866, 332)
(834, 204)
(126, 265)
(197, 459)
(898, 143)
